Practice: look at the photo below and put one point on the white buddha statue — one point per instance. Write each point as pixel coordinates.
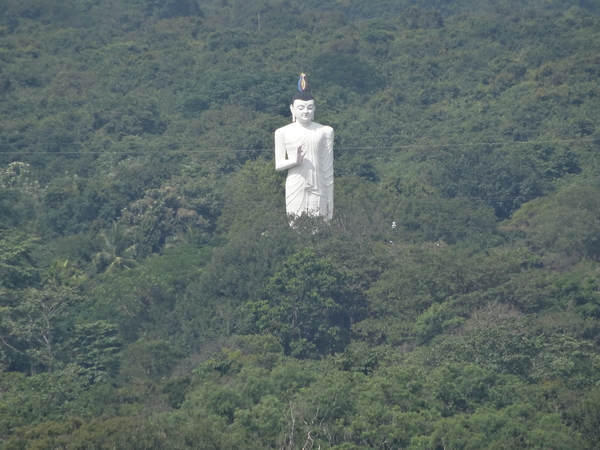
(305, 149)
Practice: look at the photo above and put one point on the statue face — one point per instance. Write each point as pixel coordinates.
(303, 111)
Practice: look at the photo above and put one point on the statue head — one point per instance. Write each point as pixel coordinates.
(303, 107)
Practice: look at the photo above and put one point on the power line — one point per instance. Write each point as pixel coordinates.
(337, 149)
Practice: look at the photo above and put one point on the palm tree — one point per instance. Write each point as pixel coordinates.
(118, 252)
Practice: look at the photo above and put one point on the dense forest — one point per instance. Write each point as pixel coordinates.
(154, 296)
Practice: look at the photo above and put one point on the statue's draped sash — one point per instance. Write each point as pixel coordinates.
(309, 186)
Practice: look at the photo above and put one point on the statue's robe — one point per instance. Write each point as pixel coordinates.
(309, 185)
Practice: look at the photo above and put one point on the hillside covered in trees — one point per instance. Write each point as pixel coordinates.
(154, 296)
